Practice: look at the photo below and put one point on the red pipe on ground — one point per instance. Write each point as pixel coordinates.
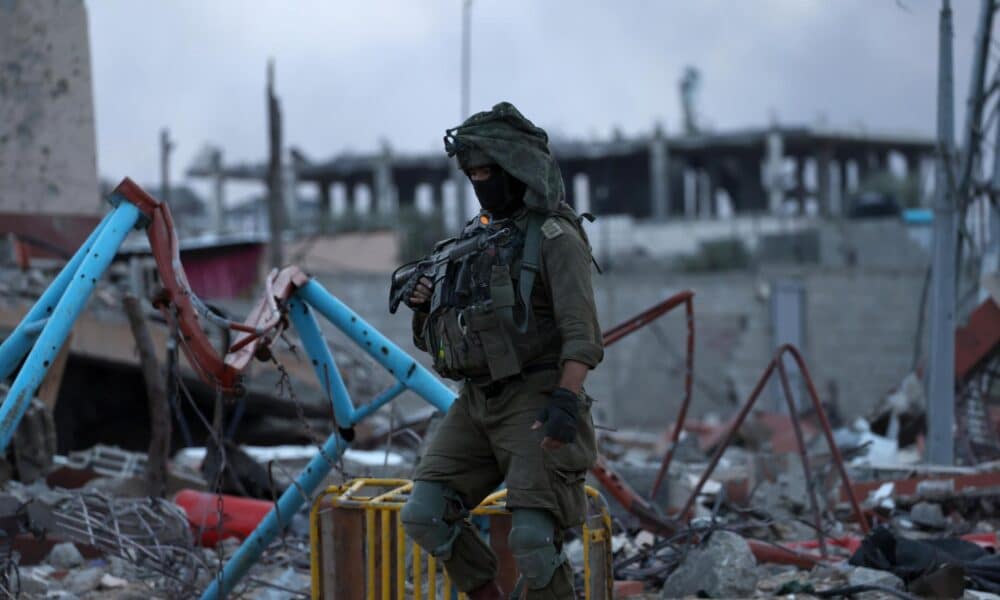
(240, 516)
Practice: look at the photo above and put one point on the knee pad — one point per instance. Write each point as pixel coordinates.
(532, 541)
(423, 518)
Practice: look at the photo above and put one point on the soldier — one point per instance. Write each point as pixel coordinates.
(516, 322)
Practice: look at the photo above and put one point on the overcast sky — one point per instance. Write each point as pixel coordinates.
(350, 73)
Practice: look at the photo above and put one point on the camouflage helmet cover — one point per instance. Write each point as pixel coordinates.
(503, 136)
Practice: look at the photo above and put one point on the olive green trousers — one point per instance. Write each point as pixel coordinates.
(486, 441)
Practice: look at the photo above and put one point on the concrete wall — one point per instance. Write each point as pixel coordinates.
(47, 141)
(622, 235)
(859, 337)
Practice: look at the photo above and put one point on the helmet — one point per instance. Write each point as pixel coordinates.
(470, 157)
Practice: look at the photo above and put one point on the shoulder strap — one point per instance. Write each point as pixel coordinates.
(530, 264)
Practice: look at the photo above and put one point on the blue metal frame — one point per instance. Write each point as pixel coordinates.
(43, 331)
(19, 341)
(410, 375)
(61, 304)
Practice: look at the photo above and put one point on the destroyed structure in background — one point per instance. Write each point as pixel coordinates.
(700, 505)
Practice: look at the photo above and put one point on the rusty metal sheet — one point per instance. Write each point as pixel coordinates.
(978, 340)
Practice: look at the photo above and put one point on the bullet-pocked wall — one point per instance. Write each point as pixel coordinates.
(48, 159)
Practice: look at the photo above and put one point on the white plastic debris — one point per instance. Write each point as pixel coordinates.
(882, 497)
(192, 457)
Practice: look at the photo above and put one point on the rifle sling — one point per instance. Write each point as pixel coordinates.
(529, 265)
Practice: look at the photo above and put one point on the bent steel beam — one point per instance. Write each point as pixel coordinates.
(67, 308)
(824, 423)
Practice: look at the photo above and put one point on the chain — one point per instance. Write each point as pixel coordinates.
(217, 487)
(286, 390)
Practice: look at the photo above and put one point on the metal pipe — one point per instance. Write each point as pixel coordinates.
(288, 504)
(824, 423)
(729, 438)
(402, 366)
(33, 329)
(941, 367)
(327, 373)
(67, 309)
(399, 364)
(800, 440)
(820, 414)
(380, 401)
(19, 341)
(675, 436)
(976, 98)
(645, 317)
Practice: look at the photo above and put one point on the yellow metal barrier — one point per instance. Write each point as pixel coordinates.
(359, 548)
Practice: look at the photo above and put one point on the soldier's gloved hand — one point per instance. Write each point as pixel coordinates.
(417, 293)
(559, 418)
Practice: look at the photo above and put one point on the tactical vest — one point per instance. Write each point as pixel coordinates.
(477, 329)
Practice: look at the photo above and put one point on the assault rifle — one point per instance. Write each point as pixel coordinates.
(434, 266)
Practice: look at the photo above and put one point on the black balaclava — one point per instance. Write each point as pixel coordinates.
(500, 194)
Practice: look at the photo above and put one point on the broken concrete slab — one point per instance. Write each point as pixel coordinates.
(929, 515)
(866, 576)
(81, 581)
(723, 568)
(65, 556)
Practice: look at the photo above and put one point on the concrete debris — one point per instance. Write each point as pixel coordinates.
(771, 519)
(928, 515)
(723, 568)
(110, 582)
(866, 576)
(65, 556)
(83, 580)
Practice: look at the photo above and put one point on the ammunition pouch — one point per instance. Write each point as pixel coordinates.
(481, 324)
(482, 341)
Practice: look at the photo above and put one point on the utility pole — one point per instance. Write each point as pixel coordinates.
(461, 184)
(166, 146)
(941, 372)
(275, 189)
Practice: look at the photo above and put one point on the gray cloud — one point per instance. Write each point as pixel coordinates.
(351, 72)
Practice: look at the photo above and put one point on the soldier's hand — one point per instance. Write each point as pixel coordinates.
(421, 294)
(558, 418)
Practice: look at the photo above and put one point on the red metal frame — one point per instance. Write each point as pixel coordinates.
(641, 320)
(178, 303)
(978, 340)
(778, 363)
(647, 514)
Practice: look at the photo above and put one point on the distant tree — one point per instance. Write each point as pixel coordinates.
(905, 190)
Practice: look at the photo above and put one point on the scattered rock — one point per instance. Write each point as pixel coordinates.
(866, 576)
(81, 581)
(723, 568)
(36, 581)
(289, 579)
(977, 595)
(935, 487)
(134, 591)
(110, 582)
(984, 526)
(65, 556)
(929, 515)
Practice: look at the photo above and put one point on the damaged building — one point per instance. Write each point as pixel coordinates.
(179, 421)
